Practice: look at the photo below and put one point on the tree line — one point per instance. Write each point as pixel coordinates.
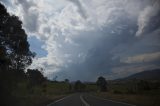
(15, 56)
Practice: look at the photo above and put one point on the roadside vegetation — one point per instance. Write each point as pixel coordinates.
(135, 91)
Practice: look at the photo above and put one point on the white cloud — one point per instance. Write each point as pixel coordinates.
(145, 16)
(142, 58)
(80, 8)
(59, 23)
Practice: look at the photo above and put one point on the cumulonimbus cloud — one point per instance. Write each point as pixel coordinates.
(81, 35)
(146, 15)
(80, 8)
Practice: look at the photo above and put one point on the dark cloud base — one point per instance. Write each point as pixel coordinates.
(111, 47)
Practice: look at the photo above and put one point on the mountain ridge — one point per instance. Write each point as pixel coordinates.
(144, 75)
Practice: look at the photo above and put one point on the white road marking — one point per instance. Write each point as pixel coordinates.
(114, 101)
(85, 103)
(58, 100)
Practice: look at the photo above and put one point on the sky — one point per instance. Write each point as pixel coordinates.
(85, 39)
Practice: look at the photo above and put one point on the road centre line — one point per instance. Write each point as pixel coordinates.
(84, 102)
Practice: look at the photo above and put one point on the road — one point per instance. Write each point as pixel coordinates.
(83, 99)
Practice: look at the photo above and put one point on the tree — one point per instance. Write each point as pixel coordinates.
(14, 55)
(102, 83)
(79, 86)
(66, 80)
(35, 77)
(143, 85)
(14, 46)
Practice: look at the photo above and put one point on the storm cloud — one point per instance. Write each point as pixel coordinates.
(146, 16)
(80, 8)
(88, 38)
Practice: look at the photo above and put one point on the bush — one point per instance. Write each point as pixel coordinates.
(117, 92)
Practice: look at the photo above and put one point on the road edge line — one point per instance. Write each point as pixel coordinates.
(114, 101)
(84, 102)
(59, 100)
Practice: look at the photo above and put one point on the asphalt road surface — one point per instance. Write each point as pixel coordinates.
(81, 99)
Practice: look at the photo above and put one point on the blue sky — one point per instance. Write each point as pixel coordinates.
(36, 46)
(84, 39)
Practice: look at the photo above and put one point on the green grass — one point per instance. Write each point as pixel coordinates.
(57, 88)
(39, 95)
(123, 93)
(136, 99)
(91, 87)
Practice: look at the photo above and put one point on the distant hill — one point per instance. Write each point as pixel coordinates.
(145, 75)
